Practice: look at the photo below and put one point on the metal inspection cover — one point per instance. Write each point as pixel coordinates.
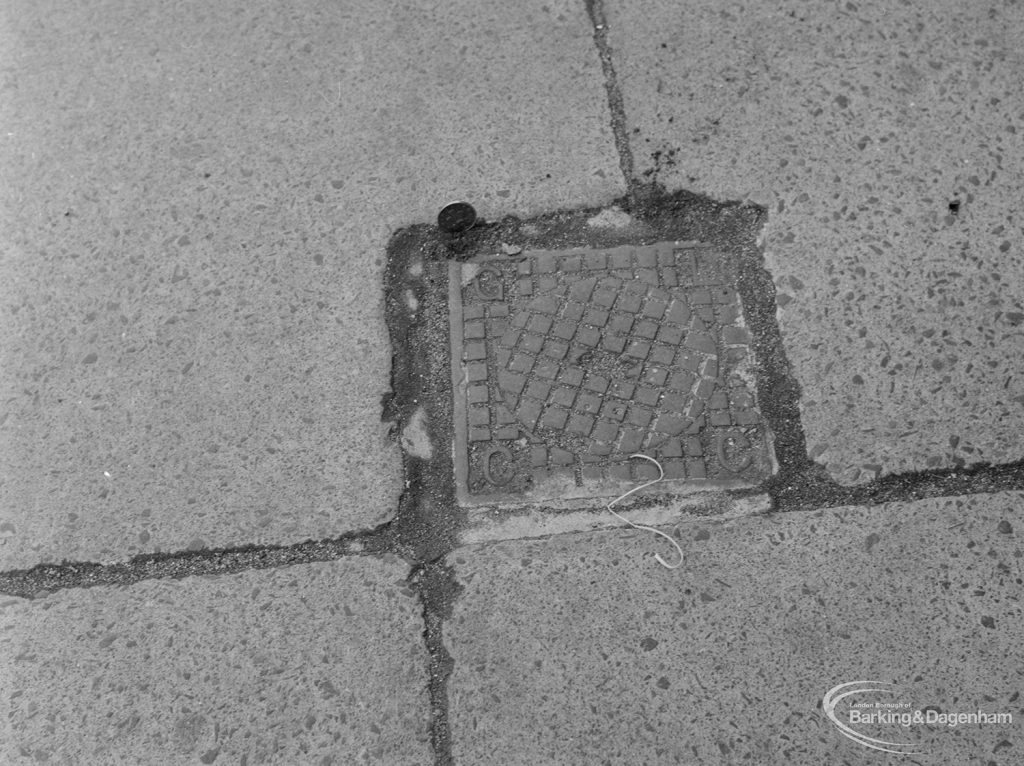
(533, 358)
(566, 362)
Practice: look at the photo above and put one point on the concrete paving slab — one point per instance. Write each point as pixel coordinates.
(883, 139)
(195, 204)
(314, 664)
(580, 649)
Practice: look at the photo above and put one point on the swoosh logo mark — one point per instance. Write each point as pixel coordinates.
(838, 693)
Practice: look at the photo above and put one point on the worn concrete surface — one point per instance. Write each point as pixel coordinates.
(580, 649)
(857, 124)
(195, 202)
(314, 664)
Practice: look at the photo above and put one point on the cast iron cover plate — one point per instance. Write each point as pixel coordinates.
(566, 362)
(533, 357)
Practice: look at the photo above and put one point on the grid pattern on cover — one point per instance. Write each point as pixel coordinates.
(619, 366)
(594, 355)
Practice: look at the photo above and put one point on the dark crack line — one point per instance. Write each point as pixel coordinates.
(803, 488)
(44, 579)
(595, 10)
(429, 518)
(438, 588)
(812, 489)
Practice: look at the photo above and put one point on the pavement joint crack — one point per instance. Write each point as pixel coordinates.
(437, 588)
(44, 579)
(801, 488)
(595, 10)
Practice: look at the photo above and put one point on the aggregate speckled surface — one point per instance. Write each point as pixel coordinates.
(316, 664)
(857, 125)
(195, 201)
(580, 649)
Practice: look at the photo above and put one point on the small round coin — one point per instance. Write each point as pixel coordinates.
(456, 217)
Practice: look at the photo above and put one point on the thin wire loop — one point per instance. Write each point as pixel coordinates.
(661, 475)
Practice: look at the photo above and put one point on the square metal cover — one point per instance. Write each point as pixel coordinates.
(564, 363)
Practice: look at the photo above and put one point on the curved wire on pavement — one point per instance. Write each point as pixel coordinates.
(661, 475)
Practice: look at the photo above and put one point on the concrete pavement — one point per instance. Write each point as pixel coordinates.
(196, 202)
(196, 205)
(582, 650)
(308, 664)
(883, 139)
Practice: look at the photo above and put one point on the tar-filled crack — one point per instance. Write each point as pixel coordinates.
(416, 312)
(44, 579)
(595, 10)
(812, 488)
(437, 588)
